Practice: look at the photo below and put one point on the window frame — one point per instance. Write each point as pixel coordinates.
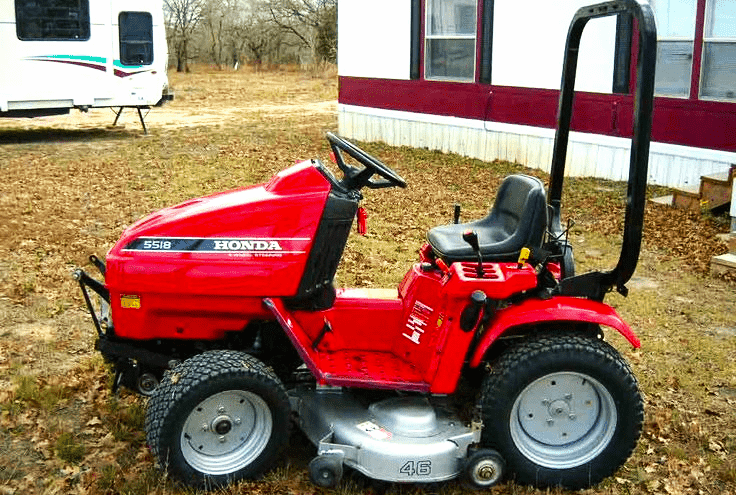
(710, 39)
(22, 16)
(428, 38)
(124, 42)
(678, 38)
(688, 77)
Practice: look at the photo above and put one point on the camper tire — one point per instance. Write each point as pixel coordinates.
(563, 409)
(216, 418)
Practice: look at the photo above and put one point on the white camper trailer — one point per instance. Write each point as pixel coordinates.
(61, 54)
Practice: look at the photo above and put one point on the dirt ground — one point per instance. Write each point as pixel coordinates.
(72, 183)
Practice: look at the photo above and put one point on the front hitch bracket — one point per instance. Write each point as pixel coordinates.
(85, 282)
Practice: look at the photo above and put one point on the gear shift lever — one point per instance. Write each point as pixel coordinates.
(471, 237)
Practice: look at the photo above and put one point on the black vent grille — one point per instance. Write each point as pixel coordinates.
(327, 248)
(325, 257)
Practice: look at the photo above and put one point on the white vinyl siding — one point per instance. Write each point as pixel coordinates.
(529, 46)
(374, 38)
(589, 155)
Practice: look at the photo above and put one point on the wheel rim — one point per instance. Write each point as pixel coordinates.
(486, 472)
(563, 420)
(226, 432)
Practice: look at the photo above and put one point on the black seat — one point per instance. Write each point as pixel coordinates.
(518, 219)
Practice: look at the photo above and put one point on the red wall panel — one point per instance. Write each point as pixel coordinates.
(702, 124)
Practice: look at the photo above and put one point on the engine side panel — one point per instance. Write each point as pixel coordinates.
(201, 268)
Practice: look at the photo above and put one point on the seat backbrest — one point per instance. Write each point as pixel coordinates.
(518, 219)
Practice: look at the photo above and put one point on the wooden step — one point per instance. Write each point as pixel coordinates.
(663, 200)
(687, 197)
(715, 189)
(719, 177)
(725, 263)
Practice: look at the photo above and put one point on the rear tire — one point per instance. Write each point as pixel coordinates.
(562, 409)
(218, 417)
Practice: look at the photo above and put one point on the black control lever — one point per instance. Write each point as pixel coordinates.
(325, 329)
(456, 214)
(470, 316)
(471, 237)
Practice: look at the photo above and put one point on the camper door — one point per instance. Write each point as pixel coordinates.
(140, 54)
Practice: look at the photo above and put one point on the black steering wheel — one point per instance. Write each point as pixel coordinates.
(356, 178)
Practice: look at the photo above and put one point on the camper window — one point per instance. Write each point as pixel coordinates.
(52, 20)
(136, 38)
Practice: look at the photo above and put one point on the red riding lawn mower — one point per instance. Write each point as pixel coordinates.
(488, 360)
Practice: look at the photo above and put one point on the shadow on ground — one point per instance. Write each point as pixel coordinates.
(55, 136)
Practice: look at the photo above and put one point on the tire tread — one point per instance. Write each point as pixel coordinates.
(191, 374)
(523, 356)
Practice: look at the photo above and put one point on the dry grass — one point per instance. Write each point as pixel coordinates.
(71, 184)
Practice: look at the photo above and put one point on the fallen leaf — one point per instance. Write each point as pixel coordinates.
(94, 422)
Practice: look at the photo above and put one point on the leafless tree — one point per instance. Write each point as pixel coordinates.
(258, 36)
(326, 41)
(307, 20)
(223, 22)
(182, 19)
(224, 31)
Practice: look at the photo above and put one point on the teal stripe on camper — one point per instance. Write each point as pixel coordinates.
(119, 64)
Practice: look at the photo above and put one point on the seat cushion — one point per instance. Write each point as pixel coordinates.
(518, 219)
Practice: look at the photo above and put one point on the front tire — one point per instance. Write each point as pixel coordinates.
(218, 417)
(563, 409)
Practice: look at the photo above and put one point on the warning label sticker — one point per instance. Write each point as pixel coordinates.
(374, 431)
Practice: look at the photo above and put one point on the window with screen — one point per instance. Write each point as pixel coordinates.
(718, 71)
(450, 37)
(136, 38)
(675, 41)
(66, 20)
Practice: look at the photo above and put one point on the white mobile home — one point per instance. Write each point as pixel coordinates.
(482, 77)
(61, 54)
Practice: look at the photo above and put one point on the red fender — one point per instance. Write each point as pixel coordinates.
(534, 311)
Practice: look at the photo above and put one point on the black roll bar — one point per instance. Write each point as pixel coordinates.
(594, 285)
